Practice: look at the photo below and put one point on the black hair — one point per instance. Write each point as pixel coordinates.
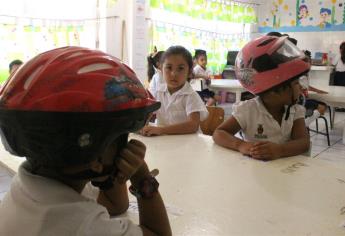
(277, 34)
(152, 63)
(293, 40)
(14, 62)
(283, 86)
(342, 51)
(179, 50)
(199, 53)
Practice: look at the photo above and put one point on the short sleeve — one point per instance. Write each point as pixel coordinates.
(240, 113)
(195, 104)
(153, 85)
(102, 224)
(199, 71)
(299, 112)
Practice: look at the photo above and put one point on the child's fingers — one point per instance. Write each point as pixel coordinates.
(136, 147)
(131, 158)
(126, 170)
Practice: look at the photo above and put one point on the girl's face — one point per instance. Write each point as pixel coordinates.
(175, 72)
(202, 61)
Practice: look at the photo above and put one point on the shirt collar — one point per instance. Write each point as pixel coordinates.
(262, 108)
(185, 90)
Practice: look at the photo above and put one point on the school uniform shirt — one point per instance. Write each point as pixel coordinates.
(176, 107)
(36, 205)
(258, 124)
(340, 65)
(198, 70)
(156, 82)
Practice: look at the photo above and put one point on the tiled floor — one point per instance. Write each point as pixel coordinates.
(335, 154)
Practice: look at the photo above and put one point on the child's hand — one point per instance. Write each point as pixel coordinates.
(265, 151)
(131, 159)
(322, 109)
(151, 130)
(245, 148)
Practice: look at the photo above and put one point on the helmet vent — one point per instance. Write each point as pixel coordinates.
(94, 67)
(264, 43)
(31, 78)
(75, 55)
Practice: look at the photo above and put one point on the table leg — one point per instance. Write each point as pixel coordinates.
(344, 134)
(238, 96)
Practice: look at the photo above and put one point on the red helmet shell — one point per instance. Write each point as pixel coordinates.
(74, 79)
(262, 51)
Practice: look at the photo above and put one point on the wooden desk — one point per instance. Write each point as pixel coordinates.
(221, 192)
(229, 85)
(334, 98)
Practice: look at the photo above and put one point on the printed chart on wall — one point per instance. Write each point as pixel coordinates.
(304, 16)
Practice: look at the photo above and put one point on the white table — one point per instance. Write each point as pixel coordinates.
(229, 85)
(319, 76)
(210, 190)
(334, 98)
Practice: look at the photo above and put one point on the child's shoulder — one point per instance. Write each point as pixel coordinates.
(251, 103)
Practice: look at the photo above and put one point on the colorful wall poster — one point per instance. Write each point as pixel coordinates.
(302, 16)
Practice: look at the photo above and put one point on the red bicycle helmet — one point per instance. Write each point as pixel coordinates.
(62, 106)
(267, 62)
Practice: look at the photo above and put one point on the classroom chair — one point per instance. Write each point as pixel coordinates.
(214, 119)
(326, 133)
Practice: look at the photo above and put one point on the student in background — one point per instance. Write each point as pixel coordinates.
(272, 124)
(154, 72)
(339, 77)
(200, 71)
(314, 108)
(181, 107)
(73, 130)
(14, 65)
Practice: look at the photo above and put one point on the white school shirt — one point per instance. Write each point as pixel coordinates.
(156, 82)
(258, 124)
(340, 66)
(176, 107)
(198, 70)
(36, 205)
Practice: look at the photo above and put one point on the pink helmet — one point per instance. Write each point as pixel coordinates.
(267, 62)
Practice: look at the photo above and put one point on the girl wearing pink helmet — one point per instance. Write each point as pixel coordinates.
(272, 123)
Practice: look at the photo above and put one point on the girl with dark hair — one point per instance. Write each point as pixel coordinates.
(339, 77)
(182, 109)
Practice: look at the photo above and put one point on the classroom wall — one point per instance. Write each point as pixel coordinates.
(311, 30)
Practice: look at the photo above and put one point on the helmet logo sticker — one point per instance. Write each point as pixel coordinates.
(123, 89)
(84, 140)
(246, 76)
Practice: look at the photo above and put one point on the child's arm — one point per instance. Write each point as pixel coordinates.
(130, 159)
(188, 127)
(224, 136)
(313, 89)
(298, 144)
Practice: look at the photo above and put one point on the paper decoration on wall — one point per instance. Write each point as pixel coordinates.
(163, 35)
(227, 11)
(304, 15)
(19, 41)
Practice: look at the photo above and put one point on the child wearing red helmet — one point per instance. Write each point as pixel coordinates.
(69, 111)
(272, 123)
